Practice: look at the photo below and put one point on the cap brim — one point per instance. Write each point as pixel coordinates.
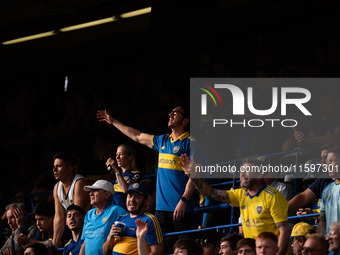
(89, 188)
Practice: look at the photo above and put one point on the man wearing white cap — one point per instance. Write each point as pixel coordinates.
(98, 221)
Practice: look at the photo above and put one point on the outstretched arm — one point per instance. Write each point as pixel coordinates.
(203, 187)
(130, 132)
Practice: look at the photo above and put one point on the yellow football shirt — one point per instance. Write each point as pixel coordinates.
(260, 212)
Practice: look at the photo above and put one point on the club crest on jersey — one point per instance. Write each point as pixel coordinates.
(243, 207)
(104, 220)
(176, 149)
(259, 209)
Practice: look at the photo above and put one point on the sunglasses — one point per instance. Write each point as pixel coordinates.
(176, 112)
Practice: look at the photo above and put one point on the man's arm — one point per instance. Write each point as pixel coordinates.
(81, 197)
(203, 187)
(284, 230)
(300, 200)
(321, 228)
(141, 232)
(82, 249)
(130, 132)
(59, 219)
(181, 206)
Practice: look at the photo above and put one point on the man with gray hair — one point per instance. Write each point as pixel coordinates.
(98, 221)
(20, 223)
(333, 237)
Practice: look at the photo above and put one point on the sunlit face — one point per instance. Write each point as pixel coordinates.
(98, 197)
(11, 219)
(176, 117)
(296, 245)
(135, 203)
(123, 158)
(246, 176)
(333, 163)
(61, 170)
(29, 251)
(44, 224)
(246, 250)
(312, 247)
(225, 248)
(266, 247)
(333, 237)
(179, 251)
(74, 220)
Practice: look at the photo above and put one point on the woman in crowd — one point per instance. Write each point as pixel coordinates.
(124, 168)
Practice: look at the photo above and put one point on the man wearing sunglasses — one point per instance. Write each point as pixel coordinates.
(174, 201)
(315, 244)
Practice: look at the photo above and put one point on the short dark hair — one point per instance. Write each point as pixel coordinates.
(212, 237)
(67, 157)
(76, 207)
(245, 242)
(190, 245)
(253, 161)
(335, 150)
(44, 208)
(232, 239)
(38, 248)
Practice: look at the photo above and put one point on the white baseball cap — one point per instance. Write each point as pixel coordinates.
(101, 184)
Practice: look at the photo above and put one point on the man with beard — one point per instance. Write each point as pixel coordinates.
(174, 201)
(262, 207)
(128, 242)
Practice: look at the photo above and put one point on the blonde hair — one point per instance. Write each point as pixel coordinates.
(130, 151)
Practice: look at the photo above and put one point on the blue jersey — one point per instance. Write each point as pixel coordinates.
(127, 244)
(330, 203)
(97, 227)
(72, 247)
(171, 179)
(119, 197)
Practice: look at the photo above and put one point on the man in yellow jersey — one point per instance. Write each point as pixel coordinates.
(262, 207)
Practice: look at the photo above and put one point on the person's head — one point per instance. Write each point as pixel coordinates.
(333, 160)
(101, 193)
(266, 243)
(75, 217)
(35, 249)
(245, 246)
(44, 215)
(248, 175)
(333, 237)
(228, 244)
(315, 244)
(324, 153)
(179, 117)
(298, 236)
(64, 166)
(136, 200)
(11, 212)
(126, 157)
(209, 241)
(150, 184)
(187, 246)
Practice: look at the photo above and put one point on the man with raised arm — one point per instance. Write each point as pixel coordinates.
(68, 190)
(262, 207)
(174, 201)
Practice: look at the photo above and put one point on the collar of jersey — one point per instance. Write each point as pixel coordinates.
(181, 137)
(258, 192)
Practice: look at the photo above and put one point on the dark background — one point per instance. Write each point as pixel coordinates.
(138, 68)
